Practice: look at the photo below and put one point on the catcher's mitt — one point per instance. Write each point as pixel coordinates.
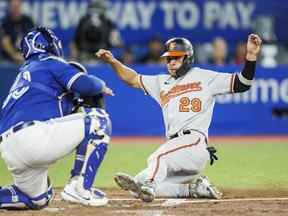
(96, 101)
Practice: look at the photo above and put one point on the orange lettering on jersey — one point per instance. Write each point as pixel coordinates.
(179, 90)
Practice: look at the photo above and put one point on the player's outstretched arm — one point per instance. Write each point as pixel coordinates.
(125, 73)
(243, 80)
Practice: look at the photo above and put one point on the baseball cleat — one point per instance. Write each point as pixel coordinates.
(127, 182)
(93, 197)
(147, 193)
(202, 188)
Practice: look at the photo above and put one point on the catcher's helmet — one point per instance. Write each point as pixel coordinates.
(41, 40)
(177, 47)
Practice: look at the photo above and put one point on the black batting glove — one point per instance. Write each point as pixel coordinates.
(212, 153)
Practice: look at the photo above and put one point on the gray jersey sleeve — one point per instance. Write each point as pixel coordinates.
(220, 83)
(150, 85)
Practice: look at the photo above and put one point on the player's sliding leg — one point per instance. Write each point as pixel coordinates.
(179, 187)
(170, 187)
(184, 153)
(156, 171)
(182, 184)
(94, 145)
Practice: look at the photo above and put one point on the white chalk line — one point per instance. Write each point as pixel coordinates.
(172, 203)
(201, 200)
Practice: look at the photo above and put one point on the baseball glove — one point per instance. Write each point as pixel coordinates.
(96, 101)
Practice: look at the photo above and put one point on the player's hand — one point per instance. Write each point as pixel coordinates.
(253, 47)
(105, 55)
(106, 90)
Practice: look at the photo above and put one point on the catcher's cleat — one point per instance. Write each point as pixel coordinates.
(126, 182)
(93, 197)
(202, 188)
(97, 191)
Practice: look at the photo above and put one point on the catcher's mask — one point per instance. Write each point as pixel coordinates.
(178, 47)
(41, 40)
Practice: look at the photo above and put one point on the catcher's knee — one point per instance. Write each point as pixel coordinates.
(12, 197)
(98, 125)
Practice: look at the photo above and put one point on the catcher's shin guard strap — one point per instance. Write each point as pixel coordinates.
(94, 160)
(11, 197)
(80, 158)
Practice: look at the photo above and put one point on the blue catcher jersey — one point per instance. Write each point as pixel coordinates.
(40, 91)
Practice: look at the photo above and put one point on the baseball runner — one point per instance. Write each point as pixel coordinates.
(37, 126)
(187, 97)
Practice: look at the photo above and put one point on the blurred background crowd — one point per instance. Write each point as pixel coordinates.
(135, 31)
(96, 30)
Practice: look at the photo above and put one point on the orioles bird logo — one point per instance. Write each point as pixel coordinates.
(172, 46)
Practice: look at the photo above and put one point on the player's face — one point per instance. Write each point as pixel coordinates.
(174, 63)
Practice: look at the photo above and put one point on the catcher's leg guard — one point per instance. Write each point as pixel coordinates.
(80, 157)
(92, 149)
(12, 198)
(92, 163)
(90, 154)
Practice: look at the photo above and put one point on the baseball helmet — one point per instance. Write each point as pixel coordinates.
(177, 47)
(41, 40)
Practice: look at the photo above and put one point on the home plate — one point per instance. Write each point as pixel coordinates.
(48, 209)
(173, 202)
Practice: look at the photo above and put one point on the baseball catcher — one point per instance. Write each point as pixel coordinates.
(40, 125)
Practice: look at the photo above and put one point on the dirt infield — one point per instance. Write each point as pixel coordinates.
(234, 202)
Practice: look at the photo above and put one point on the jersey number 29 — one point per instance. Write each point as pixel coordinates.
(187, 105)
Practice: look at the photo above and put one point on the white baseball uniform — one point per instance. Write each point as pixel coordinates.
(187, 104)
(27, 158)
